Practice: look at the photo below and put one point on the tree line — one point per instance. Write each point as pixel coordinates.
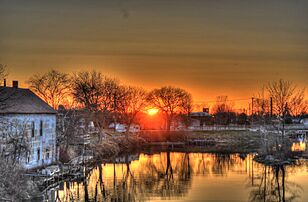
(106, 96)
(277, 99)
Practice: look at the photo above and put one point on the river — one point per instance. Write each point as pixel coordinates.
(174, 176)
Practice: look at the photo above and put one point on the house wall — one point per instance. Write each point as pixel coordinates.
(42, 146)
(305, 122)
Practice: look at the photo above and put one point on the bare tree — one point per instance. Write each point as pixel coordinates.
(87, 89)
(222, 105)
(14, 185)
(223, 110)
(112, 96)
(111, 93)
(286, 95)
(298, 104)
(3, 95)
(68, 121)
(260, 107)
(53, 87)
(133, 101)
(14, 140)
(3, 72)
(14, 149)
(261, 104)
(96, 93)
(171, 101)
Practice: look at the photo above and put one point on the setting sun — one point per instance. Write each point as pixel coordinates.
(152, 111)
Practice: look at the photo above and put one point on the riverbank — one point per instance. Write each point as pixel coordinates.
(234, 141)
(115, 147)
(120, 148)
(113, 143)
(207, 141)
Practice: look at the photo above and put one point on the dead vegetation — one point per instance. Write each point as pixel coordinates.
(105, 150)
(14, 185)
(164, 136)
(211, 141)
(114, 146)
(130, 143)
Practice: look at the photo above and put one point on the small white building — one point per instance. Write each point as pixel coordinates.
(21, 109)
(122, 128)
(304, 121)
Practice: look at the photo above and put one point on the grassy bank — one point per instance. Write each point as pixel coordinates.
(208, 141)
(185, 141)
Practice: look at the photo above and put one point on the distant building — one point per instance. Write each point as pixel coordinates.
(199, 119)
(304, 121)
(122, 128)
(23, 108)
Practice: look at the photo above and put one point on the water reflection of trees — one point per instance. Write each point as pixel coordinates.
(164, 175)
(271, 184)
(169, 175)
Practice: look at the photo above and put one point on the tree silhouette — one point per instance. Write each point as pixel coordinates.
(171, 101)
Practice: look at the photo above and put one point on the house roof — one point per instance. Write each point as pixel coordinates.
(22, 101)
(199, 114)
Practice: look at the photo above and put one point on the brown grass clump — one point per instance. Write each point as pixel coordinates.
(105, 150)
(129, 143)
(164, 136)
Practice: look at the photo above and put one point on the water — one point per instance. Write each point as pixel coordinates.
(171, 176)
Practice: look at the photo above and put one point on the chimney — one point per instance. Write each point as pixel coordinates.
(206, 110)
(15, 84)
(4, 82)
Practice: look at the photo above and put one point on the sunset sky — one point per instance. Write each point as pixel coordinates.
(209, 48)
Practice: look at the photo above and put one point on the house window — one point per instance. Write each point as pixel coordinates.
(38, 154)
(33, 129)
(41, 128)
(28, 157)
(47, 154)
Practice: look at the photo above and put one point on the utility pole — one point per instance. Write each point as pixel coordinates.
(285, 110)
(252, 106)
(271, 107)
(263, 108)
(114, 110)
(252, 110)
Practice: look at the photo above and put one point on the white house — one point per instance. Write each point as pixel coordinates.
(21, 109)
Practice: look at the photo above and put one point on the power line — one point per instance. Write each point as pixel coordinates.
(242, 99)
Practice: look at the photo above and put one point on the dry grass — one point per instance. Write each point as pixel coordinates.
(105, 150)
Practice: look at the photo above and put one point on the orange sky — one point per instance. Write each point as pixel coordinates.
(209, 48)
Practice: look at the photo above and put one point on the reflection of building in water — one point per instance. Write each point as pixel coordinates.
(298, 147)
(126, 158)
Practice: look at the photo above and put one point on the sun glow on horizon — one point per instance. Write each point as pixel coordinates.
(152, 111)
